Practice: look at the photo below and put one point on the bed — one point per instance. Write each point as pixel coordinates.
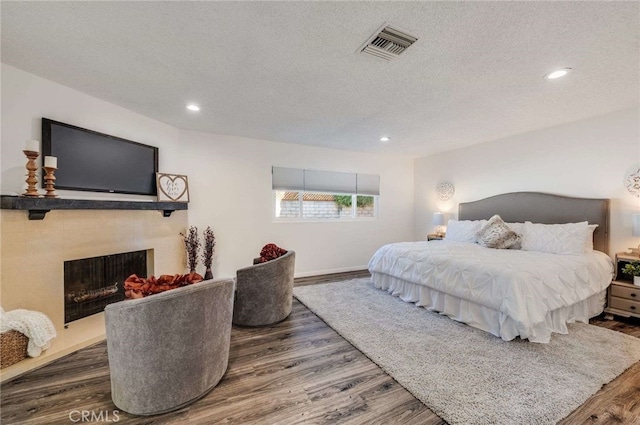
(507, 292)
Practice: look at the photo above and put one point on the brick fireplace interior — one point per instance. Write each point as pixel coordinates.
(92, 283)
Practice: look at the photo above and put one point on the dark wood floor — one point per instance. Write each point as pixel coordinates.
(298, 371)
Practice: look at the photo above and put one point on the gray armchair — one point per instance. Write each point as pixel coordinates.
(264, 292)
(169, 349)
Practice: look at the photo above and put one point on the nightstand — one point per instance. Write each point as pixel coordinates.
(434, 237)
(623, 297)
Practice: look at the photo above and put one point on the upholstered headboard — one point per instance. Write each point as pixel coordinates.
(543, 208)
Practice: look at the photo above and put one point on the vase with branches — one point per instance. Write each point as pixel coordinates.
(207, 254)
(192, 246)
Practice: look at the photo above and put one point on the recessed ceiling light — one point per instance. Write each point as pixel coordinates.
(193, 107)
(384, 139)
(557, 73)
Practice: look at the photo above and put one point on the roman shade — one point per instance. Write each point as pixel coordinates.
(368, 184)
(324, 181)
(287, 178)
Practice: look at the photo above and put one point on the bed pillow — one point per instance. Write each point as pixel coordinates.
(463, 230)
(516, 227)
(496, 234)
(588, 243)
(555, 238)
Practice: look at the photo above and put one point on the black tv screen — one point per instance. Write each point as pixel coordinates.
(97, 162)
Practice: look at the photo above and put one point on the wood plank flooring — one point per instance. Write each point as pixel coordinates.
(299, 371)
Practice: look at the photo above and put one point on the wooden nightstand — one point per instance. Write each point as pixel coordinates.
(623, 297)
(434, 237)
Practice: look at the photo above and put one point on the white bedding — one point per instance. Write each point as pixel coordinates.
(525, 287)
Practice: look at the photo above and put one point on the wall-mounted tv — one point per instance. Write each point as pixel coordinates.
(97, 162)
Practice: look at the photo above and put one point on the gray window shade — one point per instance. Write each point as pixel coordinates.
(287, 178)
(324, 181)
(328, 181)
(368, 184)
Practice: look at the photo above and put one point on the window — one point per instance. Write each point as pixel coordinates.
(323, 195)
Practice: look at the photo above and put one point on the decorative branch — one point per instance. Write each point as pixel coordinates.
(192, 245)
(209, 245)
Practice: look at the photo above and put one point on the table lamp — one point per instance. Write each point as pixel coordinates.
(635, 219)
(438, 221)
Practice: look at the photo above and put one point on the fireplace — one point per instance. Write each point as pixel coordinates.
(92, 283)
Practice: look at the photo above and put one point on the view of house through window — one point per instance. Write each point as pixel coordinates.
(321, 206)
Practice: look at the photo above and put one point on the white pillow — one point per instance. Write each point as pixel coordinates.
(463, 230)
(516, 227)
(555, 238)
(588, 243)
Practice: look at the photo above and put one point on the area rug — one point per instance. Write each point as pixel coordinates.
(465, 375)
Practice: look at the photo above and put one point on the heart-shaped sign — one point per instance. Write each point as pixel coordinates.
(173, 187)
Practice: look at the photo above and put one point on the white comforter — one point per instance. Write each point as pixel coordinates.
(524, 285)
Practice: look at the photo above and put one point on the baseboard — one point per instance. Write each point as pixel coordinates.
(330, 271)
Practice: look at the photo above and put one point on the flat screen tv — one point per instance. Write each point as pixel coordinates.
(97, 162)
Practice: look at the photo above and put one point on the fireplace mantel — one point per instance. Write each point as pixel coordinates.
(39, 207)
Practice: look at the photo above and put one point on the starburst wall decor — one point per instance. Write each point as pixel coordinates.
(445, 191)
(632, 180)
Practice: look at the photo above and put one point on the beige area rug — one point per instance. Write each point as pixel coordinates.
(465, 375)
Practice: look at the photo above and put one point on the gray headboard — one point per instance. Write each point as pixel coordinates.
(543, 208)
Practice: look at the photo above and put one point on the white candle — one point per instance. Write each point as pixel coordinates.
(33, 145)
(51, 161)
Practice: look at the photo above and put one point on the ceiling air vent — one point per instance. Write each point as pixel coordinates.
(388, 43)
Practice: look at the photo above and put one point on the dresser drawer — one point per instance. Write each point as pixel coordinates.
(625, 304)
(625, 292)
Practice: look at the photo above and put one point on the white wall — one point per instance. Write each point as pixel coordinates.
(229, 178)
(27, 98)
(585, 158)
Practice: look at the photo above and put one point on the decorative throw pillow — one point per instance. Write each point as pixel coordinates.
(270, 252)
(463, 231)
(496, 234)
(567, 238)
(139, 287)
(519, 229)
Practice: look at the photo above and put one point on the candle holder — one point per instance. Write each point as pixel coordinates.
(31, 173)
(50, 179)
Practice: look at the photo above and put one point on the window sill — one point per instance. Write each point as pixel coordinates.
(323, 220)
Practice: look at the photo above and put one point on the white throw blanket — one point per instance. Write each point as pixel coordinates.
(36, 326)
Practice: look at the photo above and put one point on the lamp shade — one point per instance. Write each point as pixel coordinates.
(438, 219)
(636, 224)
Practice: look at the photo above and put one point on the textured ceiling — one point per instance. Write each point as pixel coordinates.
(290, 71)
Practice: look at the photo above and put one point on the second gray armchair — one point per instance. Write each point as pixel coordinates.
(264, 292)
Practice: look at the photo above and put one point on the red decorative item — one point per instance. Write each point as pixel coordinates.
(271, 252)
(139, 287)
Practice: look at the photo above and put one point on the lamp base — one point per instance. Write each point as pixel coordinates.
(635, 251)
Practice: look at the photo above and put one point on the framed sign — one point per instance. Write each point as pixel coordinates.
(172, 187)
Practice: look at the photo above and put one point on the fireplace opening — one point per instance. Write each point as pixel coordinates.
(92, 283)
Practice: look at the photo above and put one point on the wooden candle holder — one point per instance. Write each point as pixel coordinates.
(50, 180)
(31, 180)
